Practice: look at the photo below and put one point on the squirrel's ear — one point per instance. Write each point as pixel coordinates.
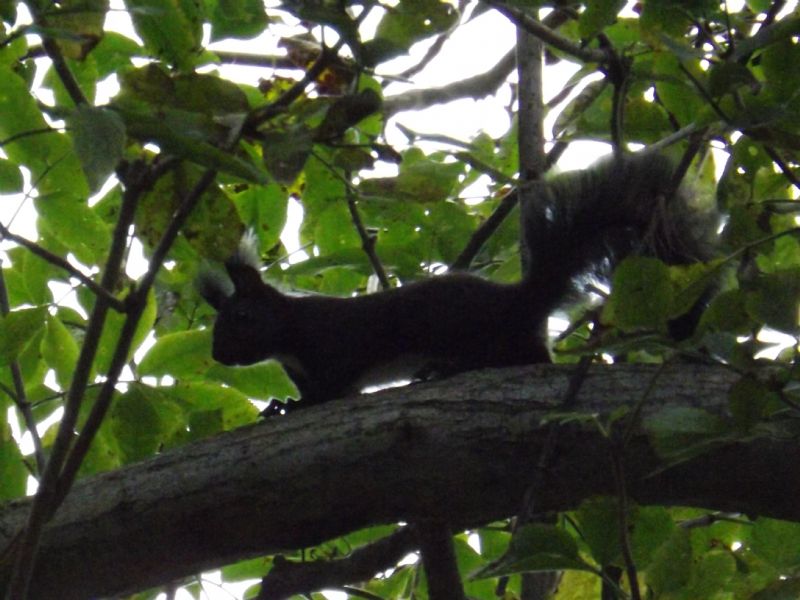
(246, 279)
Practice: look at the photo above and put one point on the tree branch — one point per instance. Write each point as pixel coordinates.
(547, 35)
(337, 467)
(54, 259)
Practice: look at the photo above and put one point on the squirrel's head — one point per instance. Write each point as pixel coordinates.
(251, 315)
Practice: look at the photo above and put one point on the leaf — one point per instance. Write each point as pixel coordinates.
(48, 155)
(17, 328)
(70, 221)
(263, 209)
(776, 542)
(60, 351)
(597, 15)
(11, 180)
(240, 19)
(669, 570)
(683, 432)
(536, 548)
(171, 29)
(76, 25)
(99, 138)
(144, 420)
(184, 355)
(408, 22)
(641, 295)
(598, 522)
(262, 381)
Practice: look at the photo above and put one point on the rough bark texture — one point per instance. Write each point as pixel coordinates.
(460, 446)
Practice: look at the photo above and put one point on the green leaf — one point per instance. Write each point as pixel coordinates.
(76, 25)
(99, 137)
(214, 228)
(598, 522)
(212, 408)
(70, 221)
(262, 381)
(171, 30)
(183, 355)
(17, 328)
(47, 154)
(408, 22)
(536, 548)
(683, 432)
(60, 351)
(669, 570)
(774, 300)
(263, 209)
(641, 295)
(11, 180)
(144, 420)
(776, 542)
(241, 19)
(597, 15)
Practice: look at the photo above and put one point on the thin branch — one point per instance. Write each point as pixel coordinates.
(23, 134)
(785, 168)
(290, 578)
(265, 113)
(547, 35)
(256, 60)
(491, 224)
(367, 241)
(19, 396)
(137, 302)
(61, 263)
(44, 502)
(623, 524)
(478, 86)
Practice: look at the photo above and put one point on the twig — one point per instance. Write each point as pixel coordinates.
(472, 87)
(491, 224)
(44, 502)
(367, 241)
(18, 395)
(289, 578)
(785, 169)
(137, 301)
(547, 35)
(485, 231)
(622, 523)
(265, 113)
(60, 262)
(23, 134)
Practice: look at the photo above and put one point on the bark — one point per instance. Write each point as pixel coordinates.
(465, 447)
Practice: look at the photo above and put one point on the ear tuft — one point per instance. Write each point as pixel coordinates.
(214, 286)
(247, 253)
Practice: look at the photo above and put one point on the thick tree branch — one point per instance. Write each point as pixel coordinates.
(296, 481)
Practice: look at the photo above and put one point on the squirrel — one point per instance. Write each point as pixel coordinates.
(577, 223)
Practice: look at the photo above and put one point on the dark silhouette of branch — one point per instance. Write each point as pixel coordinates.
(61, 263)
(288, 578)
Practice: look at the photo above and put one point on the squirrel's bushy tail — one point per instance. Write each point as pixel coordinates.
(587, 221)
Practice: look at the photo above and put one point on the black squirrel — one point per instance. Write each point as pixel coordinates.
(579, 222)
